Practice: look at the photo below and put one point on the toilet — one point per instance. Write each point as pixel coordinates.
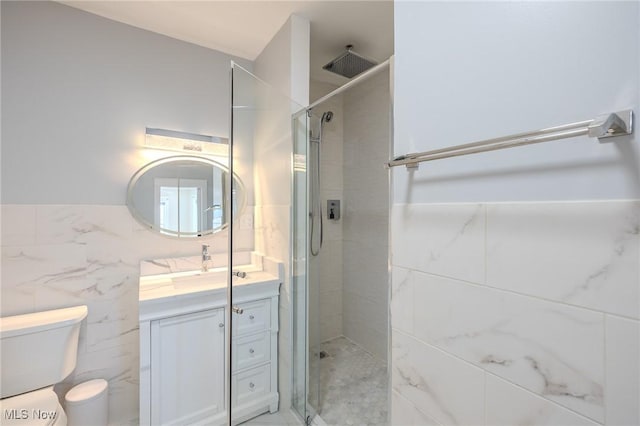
(37, 351)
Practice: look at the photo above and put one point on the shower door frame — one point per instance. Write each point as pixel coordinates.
(298, 287)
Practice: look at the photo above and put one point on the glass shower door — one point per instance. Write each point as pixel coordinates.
(260, 343)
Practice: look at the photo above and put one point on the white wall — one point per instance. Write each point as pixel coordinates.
(77, 93)
(505, 311)
(479, 70)
(283, 62)
(284, 65)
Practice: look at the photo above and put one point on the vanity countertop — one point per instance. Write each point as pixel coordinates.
(203, 284)
(174, 293)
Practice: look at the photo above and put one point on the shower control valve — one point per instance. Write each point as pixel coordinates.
(333, 209)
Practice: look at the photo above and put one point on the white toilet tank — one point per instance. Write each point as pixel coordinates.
(39, 349)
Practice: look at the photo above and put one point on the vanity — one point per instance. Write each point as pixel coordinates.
(183, 327)
(185, 362)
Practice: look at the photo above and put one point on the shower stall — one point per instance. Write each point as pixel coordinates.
(331, 231)
(340, 279)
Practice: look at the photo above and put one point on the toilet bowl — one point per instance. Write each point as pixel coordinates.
(38, 350)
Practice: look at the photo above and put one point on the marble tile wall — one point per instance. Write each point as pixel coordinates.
(56, 256)
(351, 296)
(365, 214)
(522, 313)
(326, 289)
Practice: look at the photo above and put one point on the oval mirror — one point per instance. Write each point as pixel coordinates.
(183, 196)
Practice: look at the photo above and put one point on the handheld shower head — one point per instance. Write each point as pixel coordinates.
(316, 208)
(326, 117)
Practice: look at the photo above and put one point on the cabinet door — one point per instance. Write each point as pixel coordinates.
(187, 368)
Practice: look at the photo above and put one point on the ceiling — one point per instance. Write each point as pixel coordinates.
(243, 28)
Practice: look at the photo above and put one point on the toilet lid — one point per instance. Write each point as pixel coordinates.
(37, 408)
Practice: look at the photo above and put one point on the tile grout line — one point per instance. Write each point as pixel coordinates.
(486, 244)
(489, 287)
(523, 202)
(558, 405)
(604, 367)
(485, 397)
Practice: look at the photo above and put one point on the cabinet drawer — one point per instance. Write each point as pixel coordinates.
(256, 317)
(252, 384)
(251, 350)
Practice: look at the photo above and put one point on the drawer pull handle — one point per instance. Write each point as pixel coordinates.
(251, 351)
(221, 325)
(251, 317)
(251, 385)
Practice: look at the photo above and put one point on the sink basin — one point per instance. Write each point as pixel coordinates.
(212, 275)
(161, 293)
(194, 277)
(157, 286)
(209, 278)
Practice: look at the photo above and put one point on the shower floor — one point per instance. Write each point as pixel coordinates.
(353, 385)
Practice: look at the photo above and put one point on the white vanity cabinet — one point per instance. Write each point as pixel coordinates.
(187, 367)
(183, 354)
(254, 380)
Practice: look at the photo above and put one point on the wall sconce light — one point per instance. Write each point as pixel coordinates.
(186, 142)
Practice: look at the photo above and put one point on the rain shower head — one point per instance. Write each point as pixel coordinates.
(349, 64)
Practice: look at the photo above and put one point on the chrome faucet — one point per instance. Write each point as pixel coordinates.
(206, 257)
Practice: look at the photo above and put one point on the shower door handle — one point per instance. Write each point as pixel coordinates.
(237, 310)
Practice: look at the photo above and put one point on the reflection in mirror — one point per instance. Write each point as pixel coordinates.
(183, 196)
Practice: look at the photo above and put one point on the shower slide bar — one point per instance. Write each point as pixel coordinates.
(618, 123)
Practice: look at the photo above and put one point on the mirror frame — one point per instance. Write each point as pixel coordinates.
(239, 188)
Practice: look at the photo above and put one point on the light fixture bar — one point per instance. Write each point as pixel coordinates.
(186, 142)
